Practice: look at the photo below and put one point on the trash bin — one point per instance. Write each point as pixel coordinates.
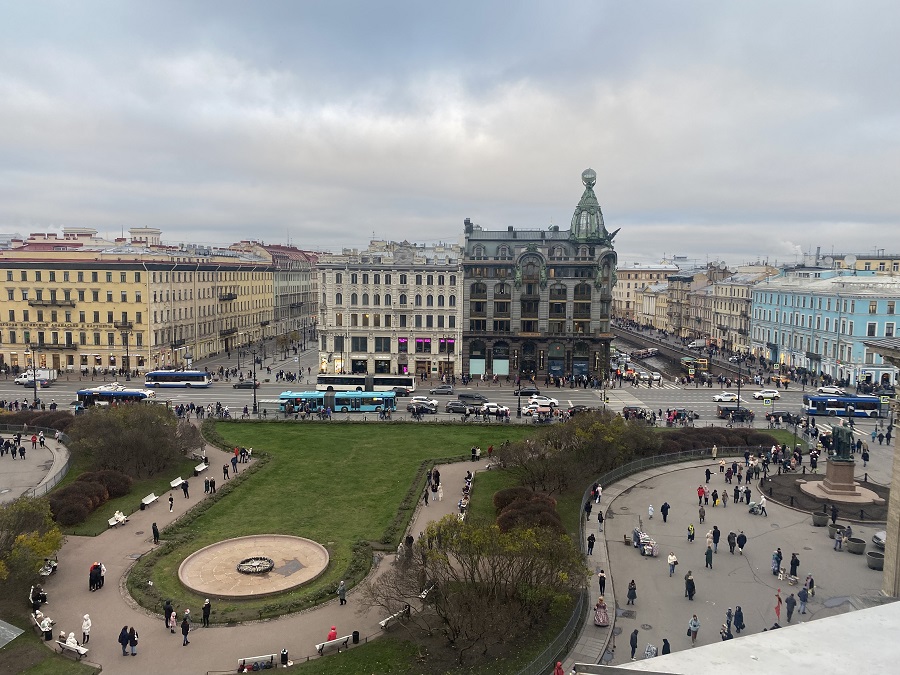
(196, 473)
(356, 637)
(143, 506)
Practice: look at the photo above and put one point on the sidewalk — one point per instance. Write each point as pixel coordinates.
(18, 477)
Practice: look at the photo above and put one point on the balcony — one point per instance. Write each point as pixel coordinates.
(264, 323)
(51, 303)
(123, 325)
(178, 343)
(60, 346)
(225, 332)
(227, 297)
(722, 327)
(812, 356)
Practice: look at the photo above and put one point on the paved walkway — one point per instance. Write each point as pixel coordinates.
(843, 580)
(18, 477)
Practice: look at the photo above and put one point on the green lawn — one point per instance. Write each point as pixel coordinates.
(343, 485)
(27, 656)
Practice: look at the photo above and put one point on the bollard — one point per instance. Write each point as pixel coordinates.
(770, 492)
(792, 500)
(862, 515)
(866, 477)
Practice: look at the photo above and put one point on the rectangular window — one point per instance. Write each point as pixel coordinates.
(109, 277)
(365, 278)
(387, 320)
(338, 278)
(423, 345)
(888, 330)
(338, 343)
(37, 275)
(138, 317)
(403, 281)
(137, 280)
(124, 296)
(354, 278)
(382, 345)
(52, 276)
(97, 339)
(403, 321)
(376, 278)
(418, 280)
(10, 294)
(870, 329)
(440, 321)
(429, 321)
(137, 296)
(109, 317)
(40, 316)
(387, 279)
(9, 275)
(12, 316)
(96, 317)
(338, 319)
(81, 318)
(873, 307)
(402, 345)
(109, 296)
(359, 344)
(24, 275)
(418, 321)
(139, 339)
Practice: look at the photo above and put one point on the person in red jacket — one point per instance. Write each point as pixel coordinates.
(700, 496)
(332, 634)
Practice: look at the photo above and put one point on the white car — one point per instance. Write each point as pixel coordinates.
(494, 408)
(425, 400)
(543, 400)
(530, 409)
(831, 389)
(766, 393)
(726, 397)
(657, 377)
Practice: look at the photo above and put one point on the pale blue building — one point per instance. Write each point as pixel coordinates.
(818, 319)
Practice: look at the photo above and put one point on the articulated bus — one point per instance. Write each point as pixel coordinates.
(364, 382)
(338, 401)
(177, 378)
(844, 406)
(113, 393)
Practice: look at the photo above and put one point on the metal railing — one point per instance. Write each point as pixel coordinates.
(560, 646)
(53, 481)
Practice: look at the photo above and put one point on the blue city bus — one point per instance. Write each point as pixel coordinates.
(338, 401)
(843, 406)
(177, 378)
(113, 393)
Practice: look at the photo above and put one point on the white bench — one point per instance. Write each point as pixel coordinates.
(322, 646)
(246, 665)
(176, 483)
(384, 623)
(37, 624)
(78, 651)
(118, 518)
(424, 594)
(202, 466)
(149, 499)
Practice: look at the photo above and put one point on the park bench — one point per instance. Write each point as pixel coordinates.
(246, 665)
(78, 651)
(199, 456)
(37, 623)
(118, 518)
(384, 623)
(344, 641)
(176, 483)
(424, 594)
(148, 500)
(202, 466)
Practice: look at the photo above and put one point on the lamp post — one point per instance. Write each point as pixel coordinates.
(125, 328)
(253, 353)
(34, 373)
(519, 402)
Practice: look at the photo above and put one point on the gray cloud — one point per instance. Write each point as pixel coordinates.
(736, 131)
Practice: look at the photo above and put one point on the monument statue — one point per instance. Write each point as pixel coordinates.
(842, 440)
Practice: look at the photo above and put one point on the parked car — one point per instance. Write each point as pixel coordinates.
(543, 400)
(246, 384)
(456, 407)
(527, 391)
(766, 393)
(726, 397)
(831, 389)
(401, 391)
(424, 399)
(878, 538)
(442, 389)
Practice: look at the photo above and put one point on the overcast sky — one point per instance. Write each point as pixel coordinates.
(720, 130)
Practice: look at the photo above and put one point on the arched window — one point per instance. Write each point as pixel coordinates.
(440, 301)
(429, 301)
(418, 301)
(387, 300)
(365, 299)
(478, 252)
(501, 290)
(338, 299)
(478, 290)
(354, 299)
(376, 299)
(403, 298)
(503, 252)
(452, 301)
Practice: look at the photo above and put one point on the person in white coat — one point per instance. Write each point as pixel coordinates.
(86, 629)
(650, 512)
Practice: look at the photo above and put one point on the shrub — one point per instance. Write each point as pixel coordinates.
(503, 498)
(533, 510)
(71, 513)
(117, 484)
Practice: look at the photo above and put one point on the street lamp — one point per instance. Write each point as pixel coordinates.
(519, 402)
(125, 328)
(253, 352)
(34, 373)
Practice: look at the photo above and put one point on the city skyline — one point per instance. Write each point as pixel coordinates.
(734, 132)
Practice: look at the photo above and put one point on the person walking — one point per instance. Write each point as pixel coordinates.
(185, 629)
(601, 577)
(600, 521)
(212, 485)
(167, 612)
(691, 533)
(690, 587)
(810, 585)
(834, 514)
(234, 468)
(342, 593)
(633, 643)
(838, 541)
(701, 512)
(716, 535)
(672, 560)
(86, 629)
(708, 474)
(155, 533)
(724, 499)
(632, 592)
(778, 603)
(729, 617)
(133, 640)
(709, 538)
(738, 619)
(790, 602)
(666, 647)
(715, 498)
(123, 640)
(732, 541)
(225, 472)
(650, 512)
(184, 489)
(206, 486)
(709, 556)
(558, 670)
(700, 496)
(693, 629)
(207, 608)
(171, 502)
(741, 542)
(803, 597)
(762, 504)
(664, 510)
(590, 544)
(795, 564)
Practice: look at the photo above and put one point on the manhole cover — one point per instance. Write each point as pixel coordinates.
(617, 631)
(611, 515)
(626, 613)
(139, 532)
(646, 626)
(134, 556)
(623, 508)
(807, 548)
(775, 526)
(607, 657)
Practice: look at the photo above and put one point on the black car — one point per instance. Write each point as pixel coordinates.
(684, 413)
(785, 416)
(401, 391)
(426, 408)
(528, 391)
(736, 413)
(246, 384)
(456, 407)
(577, 409)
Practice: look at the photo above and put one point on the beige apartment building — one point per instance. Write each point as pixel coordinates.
(631, 280)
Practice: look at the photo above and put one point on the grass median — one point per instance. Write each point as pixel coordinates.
(346, 486)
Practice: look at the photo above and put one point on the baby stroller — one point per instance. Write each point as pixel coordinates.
(754, 509)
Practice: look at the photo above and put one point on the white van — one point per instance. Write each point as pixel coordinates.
(697, 344)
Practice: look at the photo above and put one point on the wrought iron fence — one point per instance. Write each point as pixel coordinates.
(560, 646)
(53, 481)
